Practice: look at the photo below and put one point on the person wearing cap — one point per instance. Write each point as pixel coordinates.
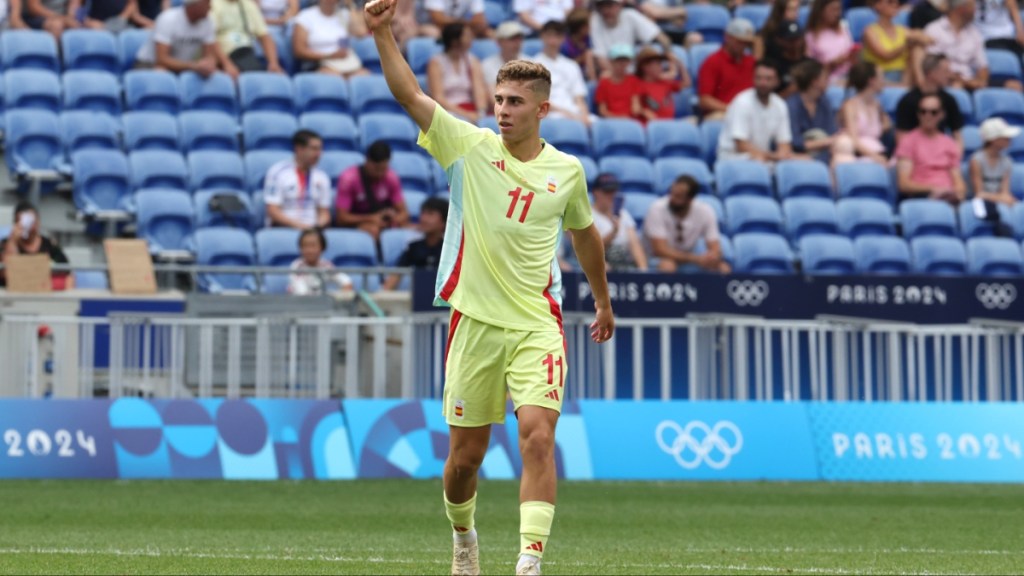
(468, 12)
(889, 45)
(956, 36)
(183, 39)
(991, 166)
(510, 47)
(934, 79)
(829, 40)
(535, 13)
(728, 71)
(676, 223)
(658, 84)
(782, 12)
(454, 76)
(568, 90)
(756, 125)
(618, 93)
(611, 25)
(928, 161)
(622, 248)
(787, 49)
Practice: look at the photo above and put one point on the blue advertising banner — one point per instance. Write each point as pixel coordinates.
(56, 439)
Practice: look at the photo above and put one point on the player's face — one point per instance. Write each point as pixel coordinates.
(310, 249)
(518, 110)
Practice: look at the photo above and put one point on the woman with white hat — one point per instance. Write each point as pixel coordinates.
(991, 166)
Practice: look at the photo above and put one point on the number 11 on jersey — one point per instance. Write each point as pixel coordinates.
(516, 195)
(550, 361)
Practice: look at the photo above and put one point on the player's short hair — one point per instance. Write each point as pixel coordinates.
(534, 75)
(692, 186)
(379, 151)
(315, 232)
(304, 137)
(435, 204)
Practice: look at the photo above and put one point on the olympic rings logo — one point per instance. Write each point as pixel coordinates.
(747, 292)
(697, 443)
(994, 296)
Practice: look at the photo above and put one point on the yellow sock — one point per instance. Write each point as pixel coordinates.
(461, 515)
(534, 527)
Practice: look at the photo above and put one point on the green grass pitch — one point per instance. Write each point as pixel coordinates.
(398, 527)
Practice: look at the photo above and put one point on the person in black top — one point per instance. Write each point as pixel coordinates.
(935, 78)
(425, 253)
(926, 12)
(25, 238)
(785, 50)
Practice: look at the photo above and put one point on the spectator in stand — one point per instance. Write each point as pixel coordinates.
(1000, 24)
(114, 15)
(150, 10)
(25, 238)
(892, 47)
(510, 47)
(536, 13)
(670, 16)
(11, 18)
(926, 12)
(568, 97)
(618, 94)
(991, 166)
(296, 192)
(454, 77)
(239, 23)
(321, 39)
(863, 118)
(789, 49)
(812, 120)
(426, 252)
(829, 40)
(783, 11)
(728, 71)
(935, 77)
(676, 222)
(577, 44)
(660, 79)
(756, 125)
(467, 12)
(277, 13)
(355, 207)
(928, 160)
(411, 20)
(956, 36)
(53, 16)
(611, 25)
(303, 281)
(184, 38)
(622, 248)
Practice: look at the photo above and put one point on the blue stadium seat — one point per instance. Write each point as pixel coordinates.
(334, 163)
(674, 138)
(803, 178)
(419, 51)
(213, 94)
(637, 205)
(634, 174)
(256, 165)
(414, 202)
(157, 169)
(28, 49)
(972, 140)
(994, 257)
(32, 141)
(888, 255)
(802, 15)
(753, 214)
(964, 103)
(277, 247)
(683, 101)
(90, 50)
(589, 169)
(338, 131)
(413, 171)
(91, 280)
(1003, 65)
(716, 205)
(809, 216)
(350, 247)
(93, 91)
(743, 178)
(397, 130)
(532, 47)
(152, 90)
(972, 227)
(1017, 181)
(129, 42)
(922, 217)
(393, 243)
(245, 218)
(366, 49)
(265, 91)
(491, 123)
(84, 130)
(164, 219)
(283, 43)
(619, 137)
(202, 130)
(1005, 103)
(757, 14)
(699, 53)
(221, 246)
(666, 170)
(865, 180)
(150, 131)
(5, 231)
(760, 253)
(889, 98)
(211, 169)
(315, 92)
(569, 136)
(940, 256)
(864, 217)
(440, 178)
(827, 255)
(836, 96)
(1016, 149)
(710, 130)
(708, 19)
(268, 131)
(37, 89)
(858, 19)
(496, 12)
(1016, 220)
(101, 181)
(728, 251)
(484, 48)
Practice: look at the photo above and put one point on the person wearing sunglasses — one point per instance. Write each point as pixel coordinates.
(676, 223)
(928, 160)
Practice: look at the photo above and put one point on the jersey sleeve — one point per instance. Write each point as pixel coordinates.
(577, 211)
(449, 138)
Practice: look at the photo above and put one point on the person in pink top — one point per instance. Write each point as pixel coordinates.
(385, 208)
(828, 39)
(929, 160)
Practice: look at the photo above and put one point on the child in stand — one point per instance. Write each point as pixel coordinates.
(659, 84)
(990, 169)
(304, 282)
(618, 94)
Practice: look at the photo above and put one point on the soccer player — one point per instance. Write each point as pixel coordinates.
(511, 195)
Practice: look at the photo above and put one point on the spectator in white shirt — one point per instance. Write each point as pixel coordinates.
(756, 125)
(321, 40)
(469, 12)
(303, 281)
(537, 13)
(183, 38)
(611, 25)
(277, 13)
(510, 47)
(568, 90)
(296, 192)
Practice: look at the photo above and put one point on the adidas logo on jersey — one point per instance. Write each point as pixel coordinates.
(499, 164)
(552, 395)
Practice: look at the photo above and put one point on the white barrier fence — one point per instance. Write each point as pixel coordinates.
(697, 358)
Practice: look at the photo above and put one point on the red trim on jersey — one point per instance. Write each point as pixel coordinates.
(453, 279)
(556, 310)
(452, 326)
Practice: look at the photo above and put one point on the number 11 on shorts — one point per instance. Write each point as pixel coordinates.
(551, 361)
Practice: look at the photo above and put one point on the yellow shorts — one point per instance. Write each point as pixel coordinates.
(483, 361)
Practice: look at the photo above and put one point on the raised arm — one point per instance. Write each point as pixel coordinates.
(401, 80)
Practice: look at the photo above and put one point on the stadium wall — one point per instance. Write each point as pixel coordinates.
(596, 440)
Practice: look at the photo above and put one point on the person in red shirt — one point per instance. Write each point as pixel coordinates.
(618, 94)
(659, 84)
(728, 71)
